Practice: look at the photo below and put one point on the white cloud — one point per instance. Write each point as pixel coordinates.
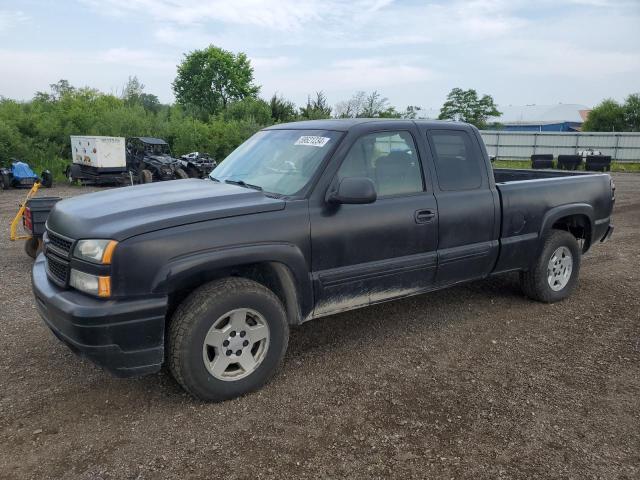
(269, 63)
(137, 58)
(553, 58)
(11, 19)
(284, 15)
(341, 78)
(104, 70)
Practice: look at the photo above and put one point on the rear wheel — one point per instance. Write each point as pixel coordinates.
(227, 339)
(180, 173)
(69, 174)
(5, 182)
(193, 172)
(146, 176)
(555, 273)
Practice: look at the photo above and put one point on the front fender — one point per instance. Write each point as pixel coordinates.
(180, 271)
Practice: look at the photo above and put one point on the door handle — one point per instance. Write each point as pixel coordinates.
(424, 216)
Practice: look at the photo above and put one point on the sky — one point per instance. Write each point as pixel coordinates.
(413, 52)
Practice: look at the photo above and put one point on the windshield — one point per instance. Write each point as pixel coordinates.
(277, 161)
(158, 149)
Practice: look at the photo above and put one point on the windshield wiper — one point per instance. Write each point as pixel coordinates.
(214, 179)
(242, 183)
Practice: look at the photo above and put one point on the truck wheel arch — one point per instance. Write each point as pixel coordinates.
(281, 268)
(575, 218)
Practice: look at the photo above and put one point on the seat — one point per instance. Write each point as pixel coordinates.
(397, 173)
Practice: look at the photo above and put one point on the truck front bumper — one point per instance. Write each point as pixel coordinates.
(126, 337)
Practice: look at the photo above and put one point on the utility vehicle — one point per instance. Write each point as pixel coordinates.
(150, 160)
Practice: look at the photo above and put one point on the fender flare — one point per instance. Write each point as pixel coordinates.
(556, 213)
(288, 261)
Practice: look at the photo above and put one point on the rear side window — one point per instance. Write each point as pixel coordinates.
(457, 162)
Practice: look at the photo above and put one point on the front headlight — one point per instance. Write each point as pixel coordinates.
(95, 251)
(93, 284)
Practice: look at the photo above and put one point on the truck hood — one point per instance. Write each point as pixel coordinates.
(124, 212)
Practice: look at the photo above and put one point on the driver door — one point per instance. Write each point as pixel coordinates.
(363, 254)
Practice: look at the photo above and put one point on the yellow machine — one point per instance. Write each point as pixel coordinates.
(18, 218)
(33, 244)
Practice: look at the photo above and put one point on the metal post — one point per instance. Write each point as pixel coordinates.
(497, 145)
(615, 149)
(535, 140)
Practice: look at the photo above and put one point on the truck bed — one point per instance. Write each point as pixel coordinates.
(504, 175)
(530, 199)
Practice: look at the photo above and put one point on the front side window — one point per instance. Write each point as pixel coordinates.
(457, 163)
(387, 158)
(278, 161)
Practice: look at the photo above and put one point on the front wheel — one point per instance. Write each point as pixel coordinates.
(555, 273)
(193, 172)
(227, 339)
(146, 176)
(181, 174)
(32, 246)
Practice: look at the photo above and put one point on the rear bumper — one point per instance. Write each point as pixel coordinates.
(126, 337)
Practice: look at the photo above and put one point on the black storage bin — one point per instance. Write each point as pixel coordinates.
(569, 162)
(599, 163)
(40, 208)
(543, 160)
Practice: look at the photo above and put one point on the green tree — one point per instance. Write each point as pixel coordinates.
(607, 116)
(57, 91)
(363, 105)
(133, 94)
(632, 112)
(208, 80)
(282, 110)
(317, 108)
(411, 112)
(466, 106)
(250, 109)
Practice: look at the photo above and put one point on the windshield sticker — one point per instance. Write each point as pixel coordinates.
(312, 141)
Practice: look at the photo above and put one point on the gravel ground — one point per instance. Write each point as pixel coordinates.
(471, 382)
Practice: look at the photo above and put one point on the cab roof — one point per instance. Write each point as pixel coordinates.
(344, 124)
(152, 140)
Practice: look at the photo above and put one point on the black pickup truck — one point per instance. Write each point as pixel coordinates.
(302, 220)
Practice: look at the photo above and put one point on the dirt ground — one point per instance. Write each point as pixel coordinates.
(472, 382)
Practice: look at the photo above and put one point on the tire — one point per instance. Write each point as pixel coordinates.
(181, 174)
(193, 172)
(69, 174)
(32, 247)
(146, 176)
(198, 317)
(540, 283)
(6, 182)
(47, 179)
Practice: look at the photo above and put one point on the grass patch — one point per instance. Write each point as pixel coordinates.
(615, 166)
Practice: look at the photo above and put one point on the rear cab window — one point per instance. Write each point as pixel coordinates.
(456, 160)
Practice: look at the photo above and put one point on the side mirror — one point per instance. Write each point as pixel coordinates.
(353, 190)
